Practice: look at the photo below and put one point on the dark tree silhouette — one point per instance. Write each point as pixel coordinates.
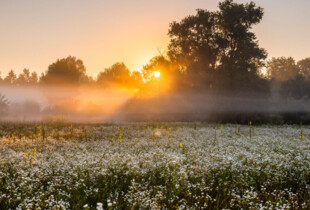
(304, 67)
(217, 49)
(66, 71)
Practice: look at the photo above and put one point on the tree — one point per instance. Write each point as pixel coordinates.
(24, 77)
(196, 39)
(10, 78)
(33, 78)
(282, 69)
(157, 63)
(170, 76)
(119, 75)
(219, 46)
(304, 67)
(65, 71)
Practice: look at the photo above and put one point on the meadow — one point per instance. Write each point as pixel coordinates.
(154, 166)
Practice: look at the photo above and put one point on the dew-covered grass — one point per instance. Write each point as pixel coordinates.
(154, 166)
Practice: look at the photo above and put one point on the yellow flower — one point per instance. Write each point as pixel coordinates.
(169, 133)
(120, 135)
(120, 138)
(34, 152)
(302, 136)
(181, 145)
(153, 134)
(26, 154)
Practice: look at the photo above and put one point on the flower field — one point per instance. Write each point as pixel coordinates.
(154, 166)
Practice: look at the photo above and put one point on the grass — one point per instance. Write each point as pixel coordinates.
(154, 165)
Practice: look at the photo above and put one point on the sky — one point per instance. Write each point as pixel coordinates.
(35, 33)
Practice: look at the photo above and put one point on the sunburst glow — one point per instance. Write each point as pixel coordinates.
(157, 74)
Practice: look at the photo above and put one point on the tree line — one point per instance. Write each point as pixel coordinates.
(71, 71)
(213, 52)
(292, 76)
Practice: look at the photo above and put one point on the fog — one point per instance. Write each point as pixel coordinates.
(80, 103)
(93, 104)
(193, 106)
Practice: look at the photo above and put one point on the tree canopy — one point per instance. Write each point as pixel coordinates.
(282, 69)
(65, 71)
(219, 45)
(119, 75)
(304, 67)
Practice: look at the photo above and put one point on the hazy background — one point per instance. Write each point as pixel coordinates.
(34, 33)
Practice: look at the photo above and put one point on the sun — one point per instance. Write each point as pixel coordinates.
(157, 74)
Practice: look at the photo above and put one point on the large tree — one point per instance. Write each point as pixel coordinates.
(65, 71)
(219, 45)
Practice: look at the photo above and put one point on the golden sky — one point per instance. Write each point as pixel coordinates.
(34, 33)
